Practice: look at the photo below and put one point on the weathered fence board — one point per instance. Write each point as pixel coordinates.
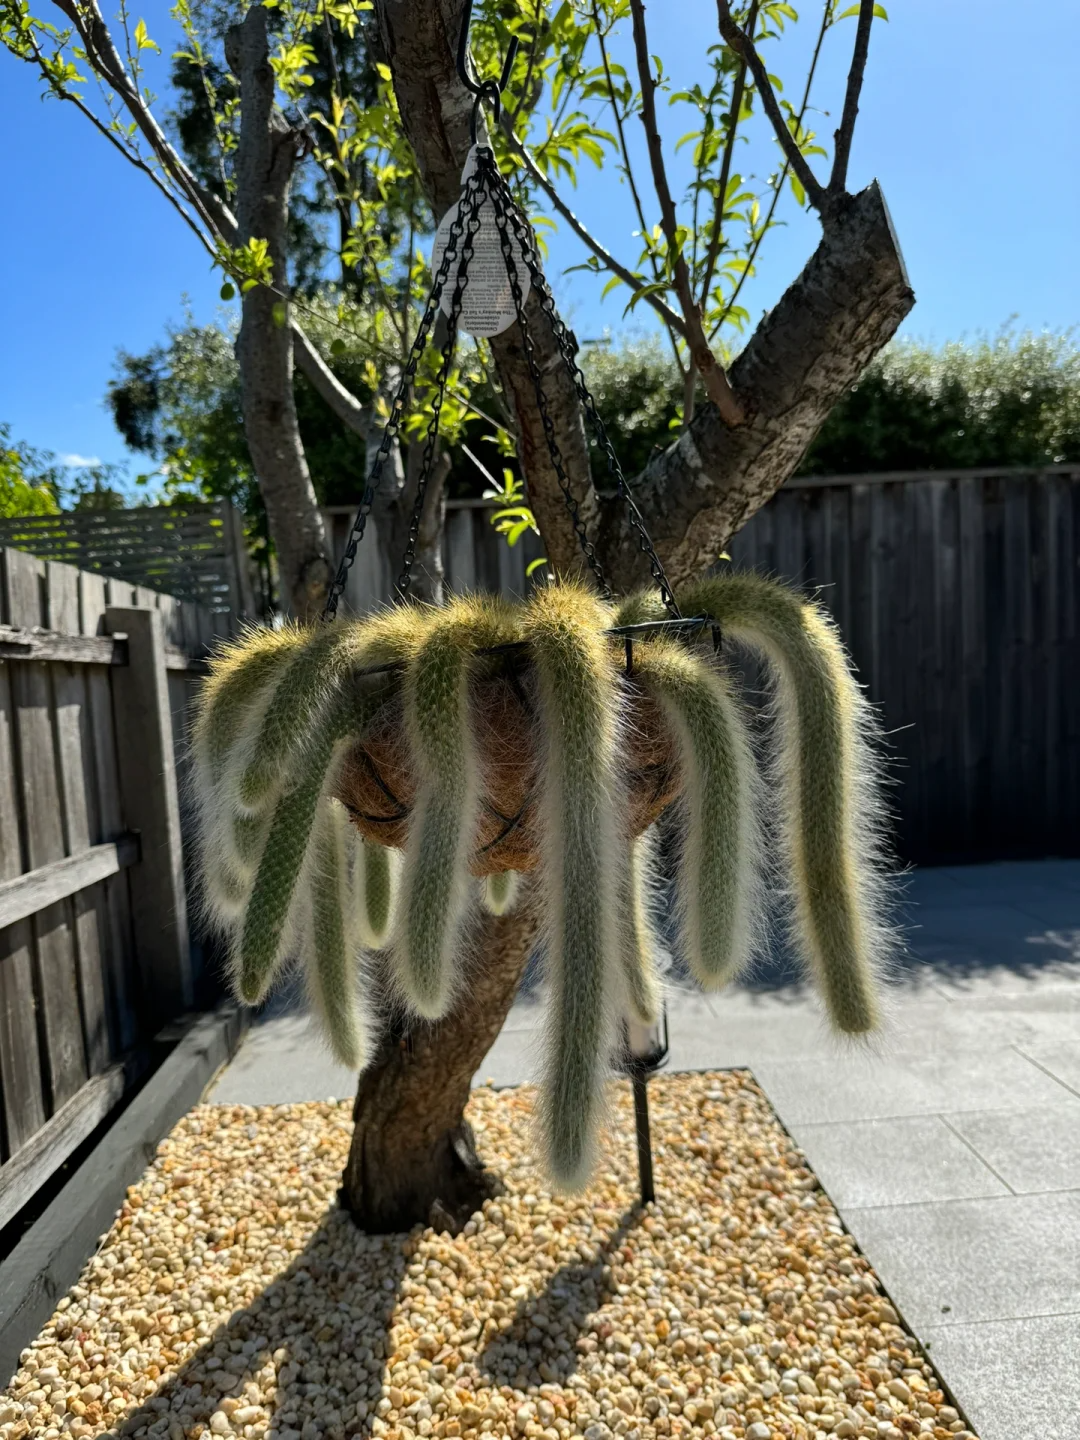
(84, 980)
(191, 550)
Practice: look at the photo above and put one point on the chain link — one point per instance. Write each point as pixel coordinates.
(572, 505)
(470, 215)
(486, 184)
(392, 428)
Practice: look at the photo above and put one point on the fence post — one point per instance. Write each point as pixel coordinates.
(151, 806)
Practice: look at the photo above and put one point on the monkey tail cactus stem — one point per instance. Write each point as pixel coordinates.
(826, 783)
(639, 943)
(442, 828)
(331, 961)
(580, 832)
(720, 847)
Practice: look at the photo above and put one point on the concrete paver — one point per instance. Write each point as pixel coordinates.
(896, 1162)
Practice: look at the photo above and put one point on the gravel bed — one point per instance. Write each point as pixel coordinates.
(232, 1297)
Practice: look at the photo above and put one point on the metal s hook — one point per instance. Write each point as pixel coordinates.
(489, 90)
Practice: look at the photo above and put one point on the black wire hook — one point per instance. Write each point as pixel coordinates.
(489, 90)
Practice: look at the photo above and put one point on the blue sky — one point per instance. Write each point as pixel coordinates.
(970, 131)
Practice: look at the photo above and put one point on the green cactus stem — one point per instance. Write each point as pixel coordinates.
(330, 960)
(719, 858)
(377, 871)
(443, 824)
(638, 941)
(826, 783)
(499, 892)
(580, 826)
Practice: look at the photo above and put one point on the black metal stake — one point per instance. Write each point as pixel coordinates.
(640, 1080)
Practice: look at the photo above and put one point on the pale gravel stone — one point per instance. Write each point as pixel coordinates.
(233, 1298)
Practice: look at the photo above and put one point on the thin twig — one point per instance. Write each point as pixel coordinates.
(838, 179)
(716, 237)
(712, 373)
(132, 156)
(744, 47)
(609, 262)
(753, 252)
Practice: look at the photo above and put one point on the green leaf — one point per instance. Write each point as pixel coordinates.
(278, 313)
(533, 566)
(142, 39)
(337, 347)
(228, 291)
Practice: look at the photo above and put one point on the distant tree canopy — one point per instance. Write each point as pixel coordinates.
(36, 482)
(24, 490)
(1012, 400)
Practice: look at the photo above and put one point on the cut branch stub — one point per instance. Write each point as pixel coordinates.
(377, 784)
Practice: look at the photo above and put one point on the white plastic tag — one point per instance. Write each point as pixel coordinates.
(487, 302)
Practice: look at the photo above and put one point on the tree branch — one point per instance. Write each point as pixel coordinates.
(804, 355)
(741, 43)
(756, 246)
(711, 372)
(717, 235)
(325, 383)
(607, 260)
(265, 158)
(102, 53)
(838, 179)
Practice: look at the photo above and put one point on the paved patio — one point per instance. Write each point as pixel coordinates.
(953, 1152)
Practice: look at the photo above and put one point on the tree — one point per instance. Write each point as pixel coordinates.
(1013, 400)
(569, 101)
(24, 488)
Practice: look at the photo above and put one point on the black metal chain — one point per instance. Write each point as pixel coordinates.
(472, 190)
(504, 201)
(487, 162)
(487, 185)
(470, 216)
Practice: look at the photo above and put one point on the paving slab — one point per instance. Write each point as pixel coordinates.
(1032, 1150)
(1003, 1258)
(897, 1162)
(1019, 1379)
(863, 1086)
(1060, 1058)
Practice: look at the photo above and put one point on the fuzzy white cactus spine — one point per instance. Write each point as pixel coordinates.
(443, 824)
(269, 927)
(719, 860)
(581, 828)
(826, 774)
(309, 686)
(639, 943)
(330, 959)
(499, 892)
(230, 707)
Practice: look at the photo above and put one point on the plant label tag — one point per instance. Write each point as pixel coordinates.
(487, 302)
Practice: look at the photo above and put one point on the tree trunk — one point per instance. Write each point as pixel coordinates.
(412, 1157)
(264, 349)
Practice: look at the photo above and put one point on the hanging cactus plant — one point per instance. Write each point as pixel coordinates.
(485, 739)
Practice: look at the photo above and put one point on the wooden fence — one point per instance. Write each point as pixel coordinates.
(957, 594)
(95, 955)
(191, 550)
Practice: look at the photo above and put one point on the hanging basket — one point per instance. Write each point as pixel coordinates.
(377, 783)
